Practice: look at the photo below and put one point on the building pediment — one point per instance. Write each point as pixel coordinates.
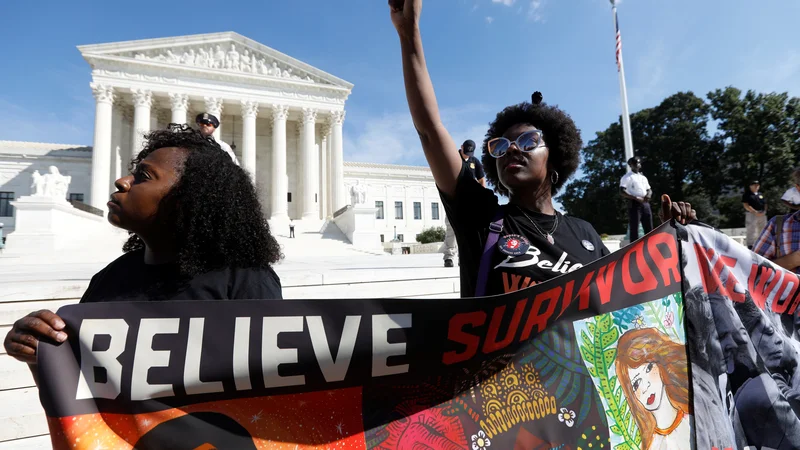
(217, 54)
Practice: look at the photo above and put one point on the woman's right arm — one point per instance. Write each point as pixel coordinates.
(440, 150)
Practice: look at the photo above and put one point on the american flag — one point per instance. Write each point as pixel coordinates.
(619, 42)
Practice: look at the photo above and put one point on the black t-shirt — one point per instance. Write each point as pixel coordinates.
(756, 201)
(471, 211)
(128, 278)
(475, 167)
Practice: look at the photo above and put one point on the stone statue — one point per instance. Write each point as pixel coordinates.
(232, 62)
(358, 194)
(219, 58)
(51, 184)
(274, 70)
(171, 58)
(262, 67)
(245, 66)
(55, 184)
(37, 184)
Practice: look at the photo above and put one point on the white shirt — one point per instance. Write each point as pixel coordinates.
(227, 149)
(792, 196)
(635, 184)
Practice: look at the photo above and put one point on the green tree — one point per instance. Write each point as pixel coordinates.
(676, 151)
(433, 234)
(760, 134)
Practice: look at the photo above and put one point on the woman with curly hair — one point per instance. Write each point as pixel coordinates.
(197, 232)
(654, 376)
(529, 152)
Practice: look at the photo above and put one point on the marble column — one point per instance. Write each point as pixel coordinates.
(119, 161)
(307, 156)
(180, 104)
(214, 106)
(249, 113)
(323, 173)
(280, 181)
(329, 176)
(142, 101)
(338, 193)
(101, 151)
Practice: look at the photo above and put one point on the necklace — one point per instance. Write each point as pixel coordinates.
(675, 423)
(548, 235)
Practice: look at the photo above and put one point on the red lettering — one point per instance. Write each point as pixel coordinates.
(456, 333)
(759, 290)
(511, 282)
(541, 319)
(491, 344)
(605, 280)
(711, 276)
(648, 282)
(668, 265)
(789, 291)
(585, 291)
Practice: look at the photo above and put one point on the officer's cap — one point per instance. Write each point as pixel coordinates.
(207, 118)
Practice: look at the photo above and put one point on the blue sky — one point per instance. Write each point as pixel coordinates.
(483, 55)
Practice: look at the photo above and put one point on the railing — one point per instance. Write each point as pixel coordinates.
(88, 208)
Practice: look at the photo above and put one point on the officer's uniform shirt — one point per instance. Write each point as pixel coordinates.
(475, 167)
(635, 184)
(227, 149)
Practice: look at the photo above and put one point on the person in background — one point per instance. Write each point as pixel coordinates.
(475, 168)
(197, 232)
(207, 124)
(635, 187)
(291, 229)
(791, 197)
(2, 238)
(779, 241)
(756, 212)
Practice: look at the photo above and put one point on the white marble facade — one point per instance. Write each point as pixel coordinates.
(284, 116)
(19, 160)
(399, 190)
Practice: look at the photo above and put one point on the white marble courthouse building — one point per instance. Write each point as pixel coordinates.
(283, 116)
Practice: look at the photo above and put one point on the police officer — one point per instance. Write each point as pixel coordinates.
(208, 123)
(475, 167)
(635, 187)
(755, 207)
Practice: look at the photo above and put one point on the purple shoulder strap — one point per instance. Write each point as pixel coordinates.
(495, 228)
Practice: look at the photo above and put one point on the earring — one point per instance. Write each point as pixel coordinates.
(554, 177)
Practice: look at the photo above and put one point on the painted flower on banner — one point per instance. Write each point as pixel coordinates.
(480, 441)
(638, 322)
(567, 416)
(669, 319)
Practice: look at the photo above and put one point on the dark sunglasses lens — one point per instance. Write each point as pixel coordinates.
(529, 141)
(498, 147)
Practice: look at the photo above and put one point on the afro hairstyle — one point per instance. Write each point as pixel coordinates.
(562, 136)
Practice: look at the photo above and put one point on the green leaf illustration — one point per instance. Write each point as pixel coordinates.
(599, 353)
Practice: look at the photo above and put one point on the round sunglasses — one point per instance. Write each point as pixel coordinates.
(525, 142)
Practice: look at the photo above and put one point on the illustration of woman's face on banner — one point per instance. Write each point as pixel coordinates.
(647, 385)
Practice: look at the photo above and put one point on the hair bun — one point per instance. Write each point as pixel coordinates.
(536, 98)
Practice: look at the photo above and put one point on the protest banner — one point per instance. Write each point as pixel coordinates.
(683, 339)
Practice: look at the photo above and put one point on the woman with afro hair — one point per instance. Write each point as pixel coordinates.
(529, 152)
(197, 232)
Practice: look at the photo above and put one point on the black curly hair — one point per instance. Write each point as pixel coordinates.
(212, 212)
(562, 137)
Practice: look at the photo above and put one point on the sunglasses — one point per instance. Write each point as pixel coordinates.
(205, 122)
(526, 142)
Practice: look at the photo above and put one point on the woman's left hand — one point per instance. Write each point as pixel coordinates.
(682, 212)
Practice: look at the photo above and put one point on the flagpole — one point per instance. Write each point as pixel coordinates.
(626, 119)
